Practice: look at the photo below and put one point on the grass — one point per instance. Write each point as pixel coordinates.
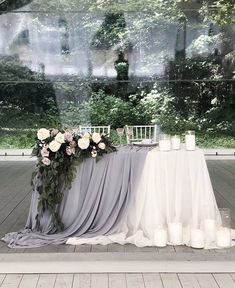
(17, 138)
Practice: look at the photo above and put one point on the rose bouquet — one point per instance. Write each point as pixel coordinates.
(58, 153)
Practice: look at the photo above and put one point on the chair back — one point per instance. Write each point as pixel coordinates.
(105, 130)
(139, 132)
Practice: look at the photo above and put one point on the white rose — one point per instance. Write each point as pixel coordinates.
(101, 145)
(96, 137)
(54, 146)
(43, 134)
(87, 135)
(93, 154)
(83, 143)
(46, 161)
(59, 138)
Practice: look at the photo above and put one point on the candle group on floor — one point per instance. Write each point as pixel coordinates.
(174, 235)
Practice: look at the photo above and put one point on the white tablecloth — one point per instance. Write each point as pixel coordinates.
(175, 187)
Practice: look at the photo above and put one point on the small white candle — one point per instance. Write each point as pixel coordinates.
(210, 228)
(197, 238)
(175, 142)
(175, 233)
(160, 237)
(165, 145)
(190, 141)
(223, 237)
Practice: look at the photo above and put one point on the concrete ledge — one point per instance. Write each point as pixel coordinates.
(25, 154)
(117, 263)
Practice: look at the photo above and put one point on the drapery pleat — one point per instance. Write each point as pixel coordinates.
(96, 204)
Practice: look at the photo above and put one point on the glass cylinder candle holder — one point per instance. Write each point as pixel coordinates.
(197, 238)
(175, 142)
(190, 141)
(160, 237)
(223, 235)
(175, 233)
(165, 142)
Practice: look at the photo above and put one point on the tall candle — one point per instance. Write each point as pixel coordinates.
(190, 140)
(160, 237)
(175, 233)
(223, 237)
(175, 142)
(197, 238)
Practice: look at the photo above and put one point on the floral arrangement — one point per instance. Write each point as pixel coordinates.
(58, 153)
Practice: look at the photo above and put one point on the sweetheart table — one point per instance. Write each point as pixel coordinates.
(136, 195)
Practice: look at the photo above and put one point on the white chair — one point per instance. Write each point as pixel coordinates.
(139, 132)
(105, 130)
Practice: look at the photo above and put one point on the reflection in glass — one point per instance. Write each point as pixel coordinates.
(94, 42)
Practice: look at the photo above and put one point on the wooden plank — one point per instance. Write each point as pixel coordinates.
(11, 281)
(188, 281)
(99, 248)
(46, 280)
(135, 280)
(224, 280)
(82, 281)
(29, 281)
(132, 248)
(64, 281)
(2, 277)
(206, 281)
(152, 280)
(229, 165)
(83, 248)
(14, 222)
(170, 280)
(114, 247)
(224, 172)
(99, 281)
(63, 248)
(117, 281)
(183, 249)
(167, 249)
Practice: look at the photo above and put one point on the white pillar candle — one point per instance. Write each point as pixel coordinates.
(165, 145)
(175, 233)
(197, 238)
(223, 237)
(210, 229)
(175, 142)
(160, 237)
(190, 142)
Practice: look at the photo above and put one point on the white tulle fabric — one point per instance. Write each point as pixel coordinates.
(174, 188)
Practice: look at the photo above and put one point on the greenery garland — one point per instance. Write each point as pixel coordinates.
(58, 153)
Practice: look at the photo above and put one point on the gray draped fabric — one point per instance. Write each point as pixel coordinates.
(95, 205)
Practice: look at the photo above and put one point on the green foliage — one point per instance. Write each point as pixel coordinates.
(56, 170)
(220, 11)
(33, 96)
(102, 109)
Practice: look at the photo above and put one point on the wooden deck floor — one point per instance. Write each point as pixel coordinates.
(140, 280)
(15, 194)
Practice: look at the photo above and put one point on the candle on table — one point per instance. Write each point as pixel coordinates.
(190, 140)
(165, 142)
(175, 233)
(160, 237)
(175, 142)
(223, 237)
(197, 238)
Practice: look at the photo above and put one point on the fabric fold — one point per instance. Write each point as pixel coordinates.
(97, 203)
